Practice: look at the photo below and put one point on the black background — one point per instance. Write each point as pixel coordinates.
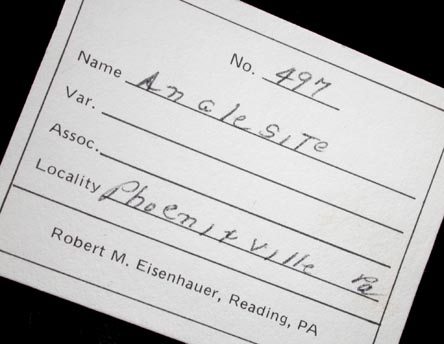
(407, 38)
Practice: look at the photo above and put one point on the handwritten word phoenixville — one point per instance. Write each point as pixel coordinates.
(134, 195)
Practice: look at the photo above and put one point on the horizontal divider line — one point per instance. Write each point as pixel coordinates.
(301, 94)
(242, 249)
(124, 295)
(241, 209)
(253, 173)
(273, 142)
(195, 255)
(313, 56)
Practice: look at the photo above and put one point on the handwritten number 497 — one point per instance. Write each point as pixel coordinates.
(303, 78)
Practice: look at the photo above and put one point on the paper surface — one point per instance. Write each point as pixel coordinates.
(215, 174)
